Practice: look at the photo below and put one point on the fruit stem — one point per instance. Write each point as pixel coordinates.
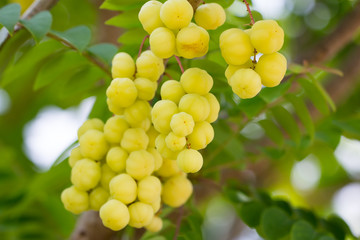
(179, 63)
(250, 14)
(142, 45)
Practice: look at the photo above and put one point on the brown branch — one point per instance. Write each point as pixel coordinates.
(250, 14)
(38, 6)
(195, 3)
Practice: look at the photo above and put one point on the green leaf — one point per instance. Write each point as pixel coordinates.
(272, 131)
(349, 126)
(132, 36)
(315, 95)
(121, 5)
(323, 93)
(269, 94)
(104, 51)
(303, 113)
(252, 107)
(39, 25)
(250, 213)
(57, 66)
(78, 36)
(285, 119)
(302, 230)
(223, 3)
(10, 15)
(128, 19)
(275, 223)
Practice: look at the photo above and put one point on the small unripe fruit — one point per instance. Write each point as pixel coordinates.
(271, 68)
(190, 160)
(116, 159)
(75, 156)
(267, 36)
(192, 42)
(162, 42)
(201, 136)
(115, 109)
(161, 115)
(196, 80)
(134, 139)
(195, 105)
(149, 66)
(149, 189)
(97, 197)
(161, 146)
(93, 144)
(137, 112)
(176, 14)
(106, 175)
(155, 225)
(174, 142)
(157, 158)
(152, 134)
(182, 124)
(114, 129)
(94, 123)
(210, 16)
(169, 168)
(176, 191)
(123, 66)
(214, 107)
(146, 88)
(141, 214)
(114, 215)
(246, 83)
(140, 164)
(231, 69)
(122, 92)
(123, 188)
(75, 200)
(85, 174)
(149, 16)
(172, 90)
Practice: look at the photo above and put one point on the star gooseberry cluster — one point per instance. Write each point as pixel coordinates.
(127, 167)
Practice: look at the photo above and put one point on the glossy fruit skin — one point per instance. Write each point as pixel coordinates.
(122, 92)
(176, 191)
(190, 161)
(85, 174)
(140, 164)
(155, 225)
(271, 68)
(114, 215)
(162, 42)
(141, 214)
(196, 80)
(176, 14)
(231, 69)
(134, 139)
(246, 83)
(172, 90)
(149, 16)
(182, 124)
(161, 115)
(146, 88)
(123, 66)
(201, 136)
(97, 197)
(149, 189)
(195, 105)
(214, 107)
(174, 142)
(210, 16)
(94, 123)
(114, 129)
(149, 66)
(123, 188)
(75, 200)
(267, 36)
(116, 158)
(192, 42)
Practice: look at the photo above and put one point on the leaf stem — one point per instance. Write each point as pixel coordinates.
(179, 63)
(142, 45)
(250, 14)
(178, 222)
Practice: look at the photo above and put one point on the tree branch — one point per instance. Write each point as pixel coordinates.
(195, 3)
(38, 6)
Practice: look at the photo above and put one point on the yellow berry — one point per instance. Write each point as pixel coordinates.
(144, 124)
(106, 175)
(115, 109)
(134, 139)
(176, 191)
(267, 36)
(85, 174)
(93, 144)
(97, 197)
(156, 205)
(123, 188)
(214, 107)
(235, 46)
(210, 16)
(189, 160)
(174, 142)
(149, 16)
(196, 80)
(122, 92)
(246, 83)
(137, 112)
(75, 200)
(169, 168)
(155, 225)
(146, 88)
(172, 90)
(114, 129)
(201, 136)
(162, 42)
(116, 159)
(140, 164)
(141, 214)
(157, 158)
(149, 189)
(161, 115)
(161, 146)
(231, 69)
(182, 124)
(176, 14)
(152, 134)
(271, 68)
(75, 156)
(89, 124)
(114, 215)
(195, 105)
(192, 42)
(123, 66)
(149, 66)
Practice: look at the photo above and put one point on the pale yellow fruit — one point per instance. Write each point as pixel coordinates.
(140, 164)
(75, 156)
(122, 92)
(192, 42)
(152, 134)
(134, 139)
(157, 157)
(106, 175)
(116, 159)
(114, 129)
(146, 88)
(93, 123)
(182, 124)
(123, 66)
(149, 16)
(214, 107)
(97, 197)
(85, 174)
(115, 109)
(176, 191)
(201, 136)
(210, 16)
(172, 90)
(235, 46)
(195, 105)
(155, 225)
(114, 215)
(161, 115)
(141, 214)
(174, 142)
(75, 200)
(144, 124)
(162, 42)
(231, 69)
(123, 188)
(149, 189)
(196, 80)
(149, 66)
(189, 160)
(176, 14)
(169, 168)
(137, 112)
(271, 68)
(161, 146)
(156, 205)
(93, 144)
(246, 83)
(267, 36)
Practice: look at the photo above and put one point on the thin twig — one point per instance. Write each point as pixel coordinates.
(250, 14)
(178, 222)
(179, 63)
(142, 45)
